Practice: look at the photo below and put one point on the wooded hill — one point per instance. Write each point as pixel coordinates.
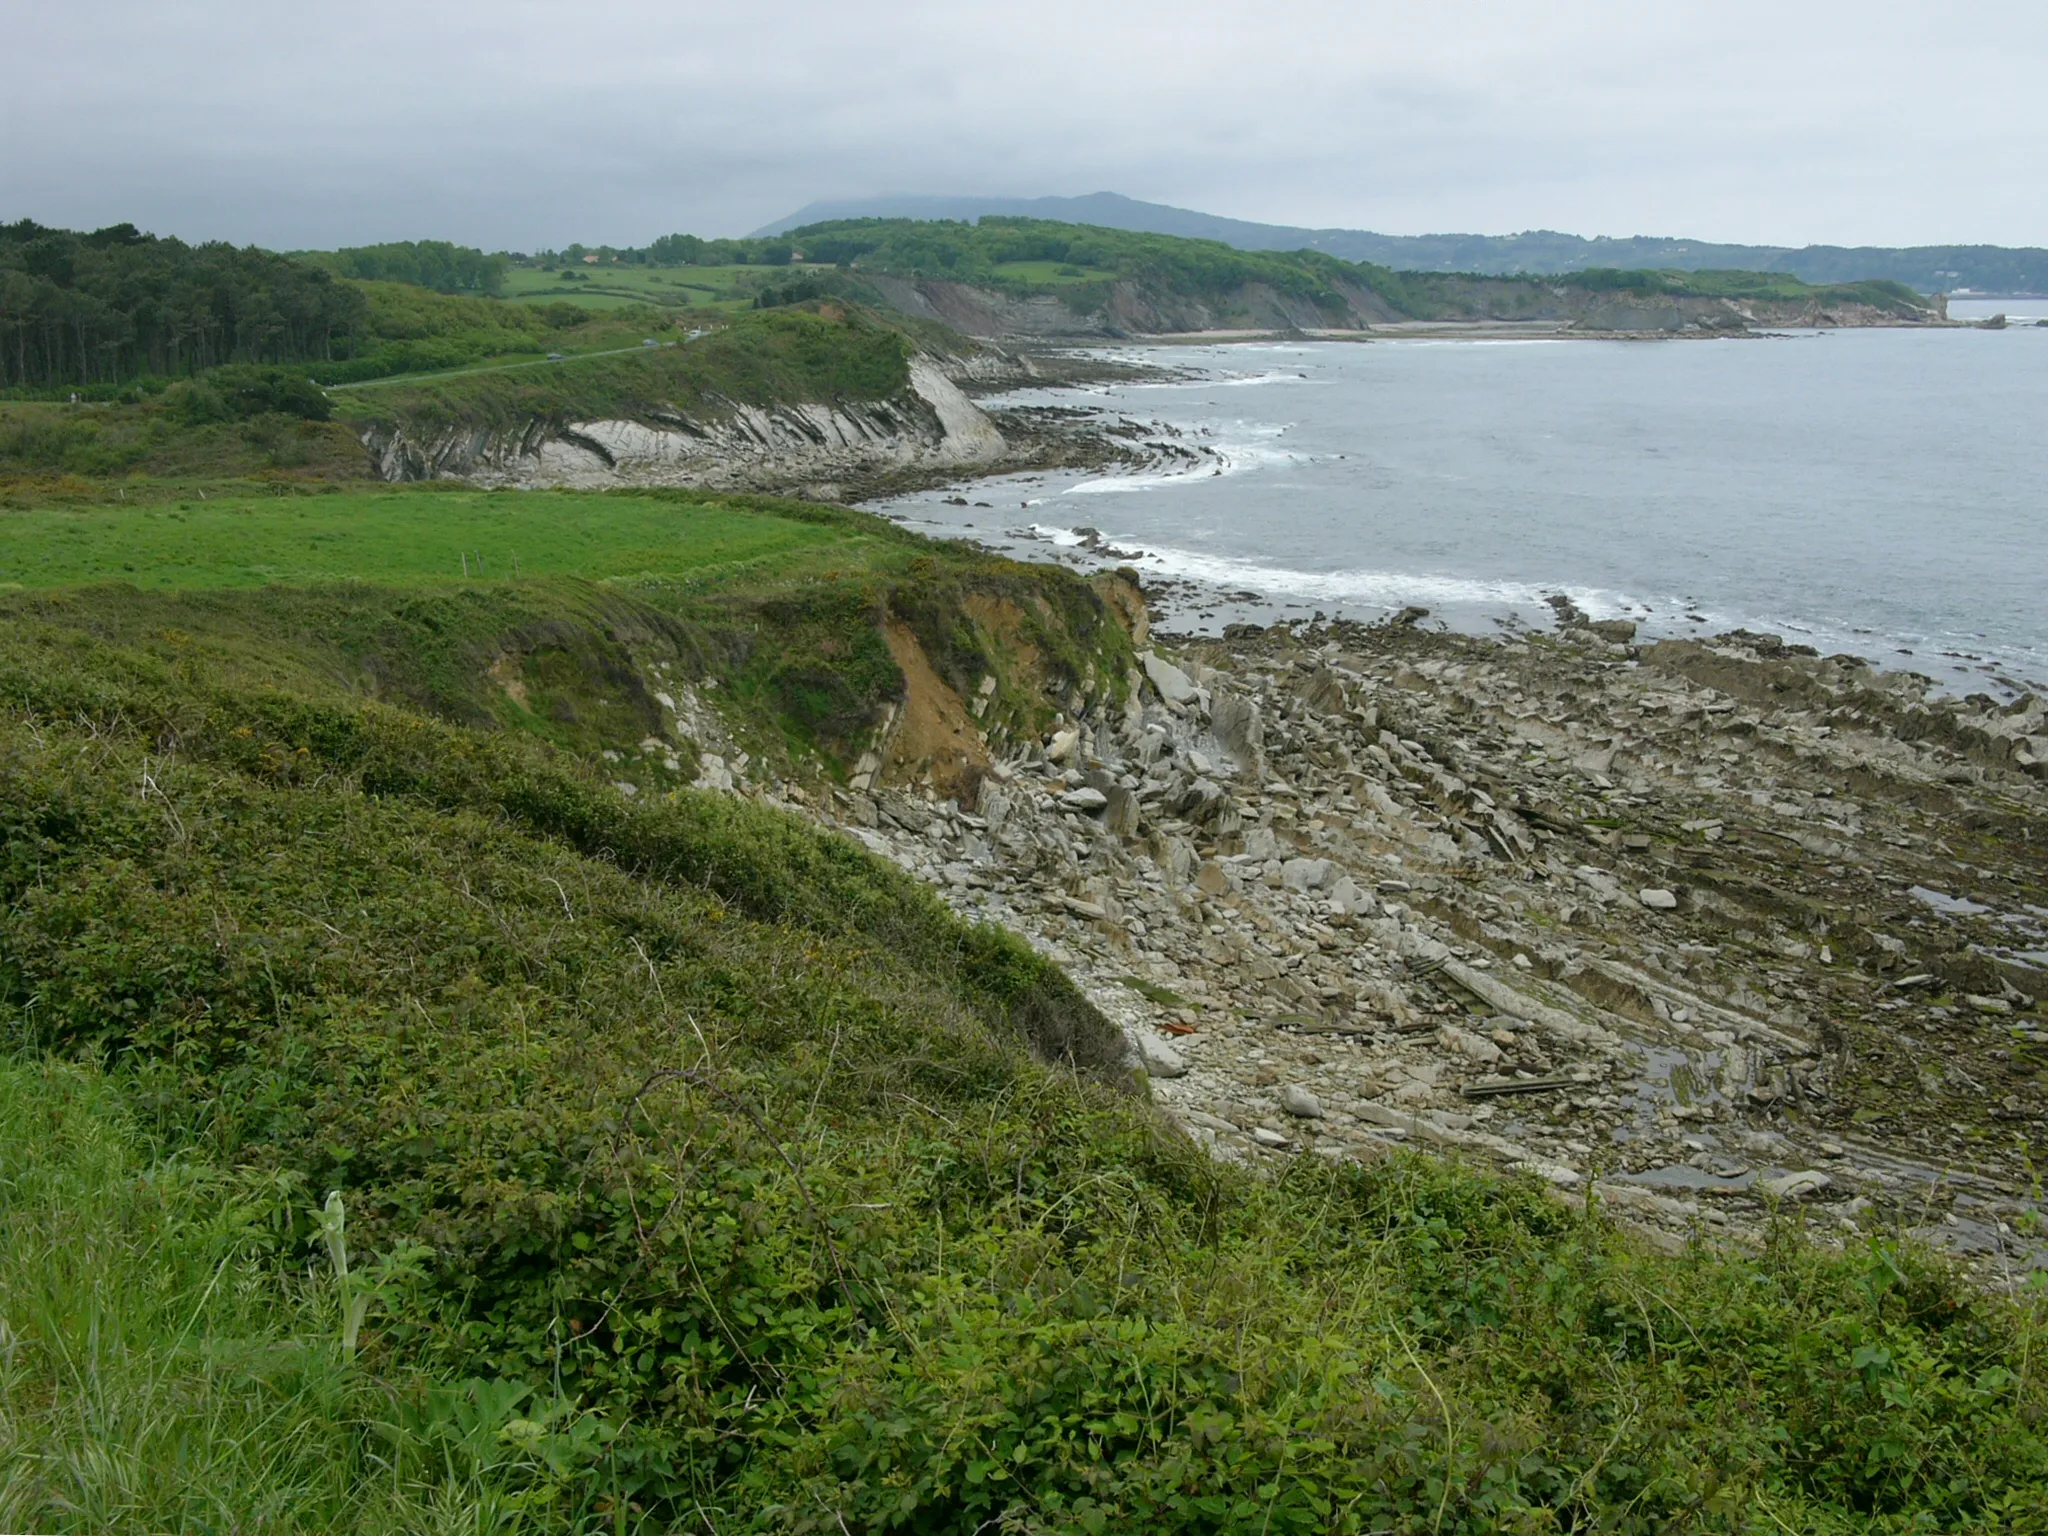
(116, 304)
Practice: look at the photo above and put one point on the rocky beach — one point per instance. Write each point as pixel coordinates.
(1709, 931)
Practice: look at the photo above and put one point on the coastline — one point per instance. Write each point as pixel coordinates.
(1199, 585)
(1701, 930)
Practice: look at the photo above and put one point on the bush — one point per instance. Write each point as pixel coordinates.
(239, 392)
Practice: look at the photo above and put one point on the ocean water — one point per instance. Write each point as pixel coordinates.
(1879, 492)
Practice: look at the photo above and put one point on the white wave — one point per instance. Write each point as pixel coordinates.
(1375, 588)
(1229, 456)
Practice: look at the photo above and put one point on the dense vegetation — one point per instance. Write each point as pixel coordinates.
(434, 264)
(116, 305)
(692, 1169)
(1539, 252)
(1739, 285)
(993, 250)
(770, 358)
(675, 251)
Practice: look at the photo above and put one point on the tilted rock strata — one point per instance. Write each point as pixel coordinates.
(932, 426)
(1346, 887)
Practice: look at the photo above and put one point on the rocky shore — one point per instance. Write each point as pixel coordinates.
(1704, 930)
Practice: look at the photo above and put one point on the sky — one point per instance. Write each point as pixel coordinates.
(521, 125)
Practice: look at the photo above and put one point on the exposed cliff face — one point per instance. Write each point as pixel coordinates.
(931, 425)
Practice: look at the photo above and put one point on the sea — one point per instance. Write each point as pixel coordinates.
(1877, 492)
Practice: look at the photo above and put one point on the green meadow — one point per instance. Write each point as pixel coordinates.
(603, 286)
(401, 537)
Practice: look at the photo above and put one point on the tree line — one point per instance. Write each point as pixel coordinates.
(435, 264)
(118, 305)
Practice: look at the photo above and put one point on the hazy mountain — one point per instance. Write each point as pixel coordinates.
(1929, 268)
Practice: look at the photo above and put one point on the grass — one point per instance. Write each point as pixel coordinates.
(1051, 274)
(713, 1177)
(729, 288)
(158, 1373)
(401, 537)
(768, 358)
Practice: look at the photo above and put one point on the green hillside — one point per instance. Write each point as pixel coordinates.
(695, 1171)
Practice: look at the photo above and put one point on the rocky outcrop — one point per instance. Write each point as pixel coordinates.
(931, 426)
(1722, 930)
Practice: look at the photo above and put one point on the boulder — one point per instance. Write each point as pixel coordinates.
(1348, 896)
(1174, 685)
(1300, 1103)
(1084, 799)
(1120, 811)
(1657, 899)
(1472, 1047)
(1158, 1058)
(1791, 1186)
(1306, 874)
(1240, 731)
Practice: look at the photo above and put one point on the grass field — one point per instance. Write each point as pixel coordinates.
(607, 287)
(403, 537)
(1051, 274)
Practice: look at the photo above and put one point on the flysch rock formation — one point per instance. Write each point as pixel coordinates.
(932, 426)
(1703, 930)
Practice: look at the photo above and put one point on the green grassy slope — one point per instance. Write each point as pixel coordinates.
(768, 358)
(697, 1174)
(375, 537)
(491, 375)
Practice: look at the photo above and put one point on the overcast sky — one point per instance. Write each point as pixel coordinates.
(519, 124)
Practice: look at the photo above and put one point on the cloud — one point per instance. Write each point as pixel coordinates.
(521, 124)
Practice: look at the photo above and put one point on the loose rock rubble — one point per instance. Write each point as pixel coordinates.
(1707, 928)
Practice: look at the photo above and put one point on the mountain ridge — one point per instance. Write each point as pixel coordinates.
(1991, 269)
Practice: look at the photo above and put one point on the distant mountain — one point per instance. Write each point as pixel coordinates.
(1929, 268)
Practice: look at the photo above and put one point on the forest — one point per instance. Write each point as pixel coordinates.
(435, 264)
(116, 305)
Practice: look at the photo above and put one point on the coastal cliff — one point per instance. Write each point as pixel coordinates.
(927, 425)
